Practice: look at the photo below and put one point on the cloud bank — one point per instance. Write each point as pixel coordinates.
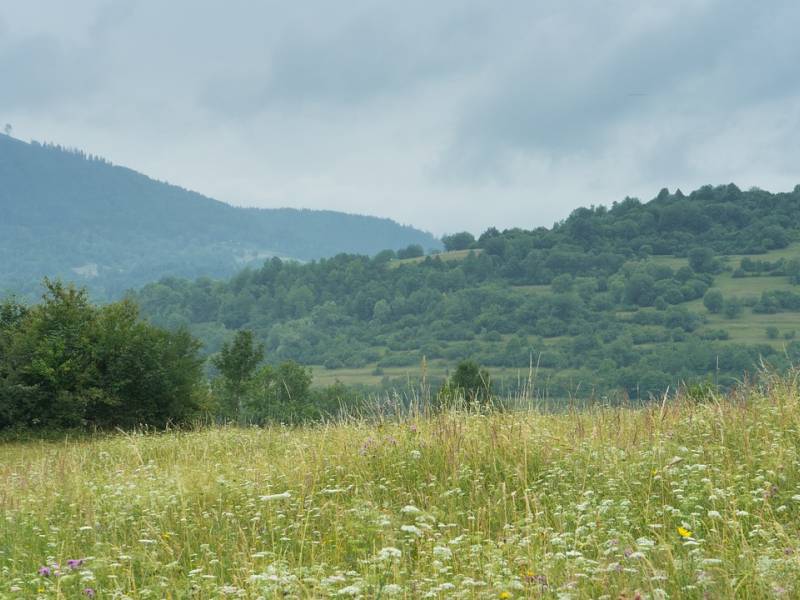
(448, 115)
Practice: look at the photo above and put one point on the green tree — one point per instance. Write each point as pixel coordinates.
(701, 260)
(458, 241)
(68, 363)
(236, 362)
(714, 301)
(411, 251)
(733, 308)
(280, 393)
(471, 381)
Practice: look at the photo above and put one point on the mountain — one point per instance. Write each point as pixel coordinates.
(633, 298)
(78, 217)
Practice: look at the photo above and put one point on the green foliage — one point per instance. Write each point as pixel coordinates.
(714, 301)
(411, 251)
(469, 382)
(701, 260)
(237, 362)
(66, 363)
(733, 308)
(571, 293)
(458, 241)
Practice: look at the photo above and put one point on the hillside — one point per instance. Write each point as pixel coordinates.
(80, 218)
(684, 499)
(633, 299)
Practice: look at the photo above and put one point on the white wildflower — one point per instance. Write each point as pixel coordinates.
(389, 553)
(392, 589)
(271, 497)
(442, 553)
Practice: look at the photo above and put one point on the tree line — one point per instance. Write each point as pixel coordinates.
(67, 363)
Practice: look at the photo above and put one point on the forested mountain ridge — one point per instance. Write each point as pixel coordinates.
(634, 297)
(68, 214)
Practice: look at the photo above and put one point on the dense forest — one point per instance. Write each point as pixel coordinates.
(618, 298)
(77, 217)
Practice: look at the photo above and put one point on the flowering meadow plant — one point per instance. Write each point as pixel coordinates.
(675, 500)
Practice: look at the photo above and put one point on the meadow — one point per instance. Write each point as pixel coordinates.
(692, 497)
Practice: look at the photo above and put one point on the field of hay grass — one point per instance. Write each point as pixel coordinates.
(680, 499)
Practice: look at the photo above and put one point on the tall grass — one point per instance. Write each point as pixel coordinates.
(678, 499)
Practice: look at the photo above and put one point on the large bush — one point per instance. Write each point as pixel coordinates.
(68, 363)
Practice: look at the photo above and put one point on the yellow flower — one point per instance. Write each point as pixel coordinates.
(684, 533)
(505, 595)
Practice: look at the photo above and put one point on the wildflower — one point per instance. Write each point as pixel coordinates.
(392, 589)
(350, 590)
(684, 533)
(411, 529)
(271, 497)
(714, 514)
(74, 563)
(389, 552)
(88, 592)
(505, 595)
(442, 553)
(410, 510)
(45, 571)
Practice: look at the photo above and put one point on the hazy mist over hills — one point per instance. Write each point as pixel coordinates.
(80, 218)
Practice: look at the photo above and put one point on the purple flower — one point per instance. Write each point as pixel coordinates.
(88, 592)
(74, 563)
(44, 571)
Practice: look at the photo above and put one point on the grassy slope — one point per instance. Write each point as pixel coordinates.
(516, 505)
(444, 256)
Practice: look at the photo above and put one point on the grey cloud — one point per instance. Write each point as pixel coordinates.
(691, 63)
(42, 72)
(449, 115)
(376, 53)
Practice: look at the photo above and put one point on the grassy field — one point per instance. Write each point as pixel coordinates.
(436, 369)
(680, 500)
(444, 256)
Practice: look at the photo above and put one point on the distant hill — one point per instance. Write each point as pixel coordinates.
(78, 217)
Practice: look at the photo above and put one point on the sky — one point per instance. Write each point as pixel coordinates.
(449, 115)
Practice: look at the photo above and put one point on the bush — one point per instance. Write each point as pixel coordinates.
(66, 363)
(713, 301)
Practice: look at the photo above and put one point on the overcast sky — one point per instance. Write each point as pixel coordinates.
(447, 115)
